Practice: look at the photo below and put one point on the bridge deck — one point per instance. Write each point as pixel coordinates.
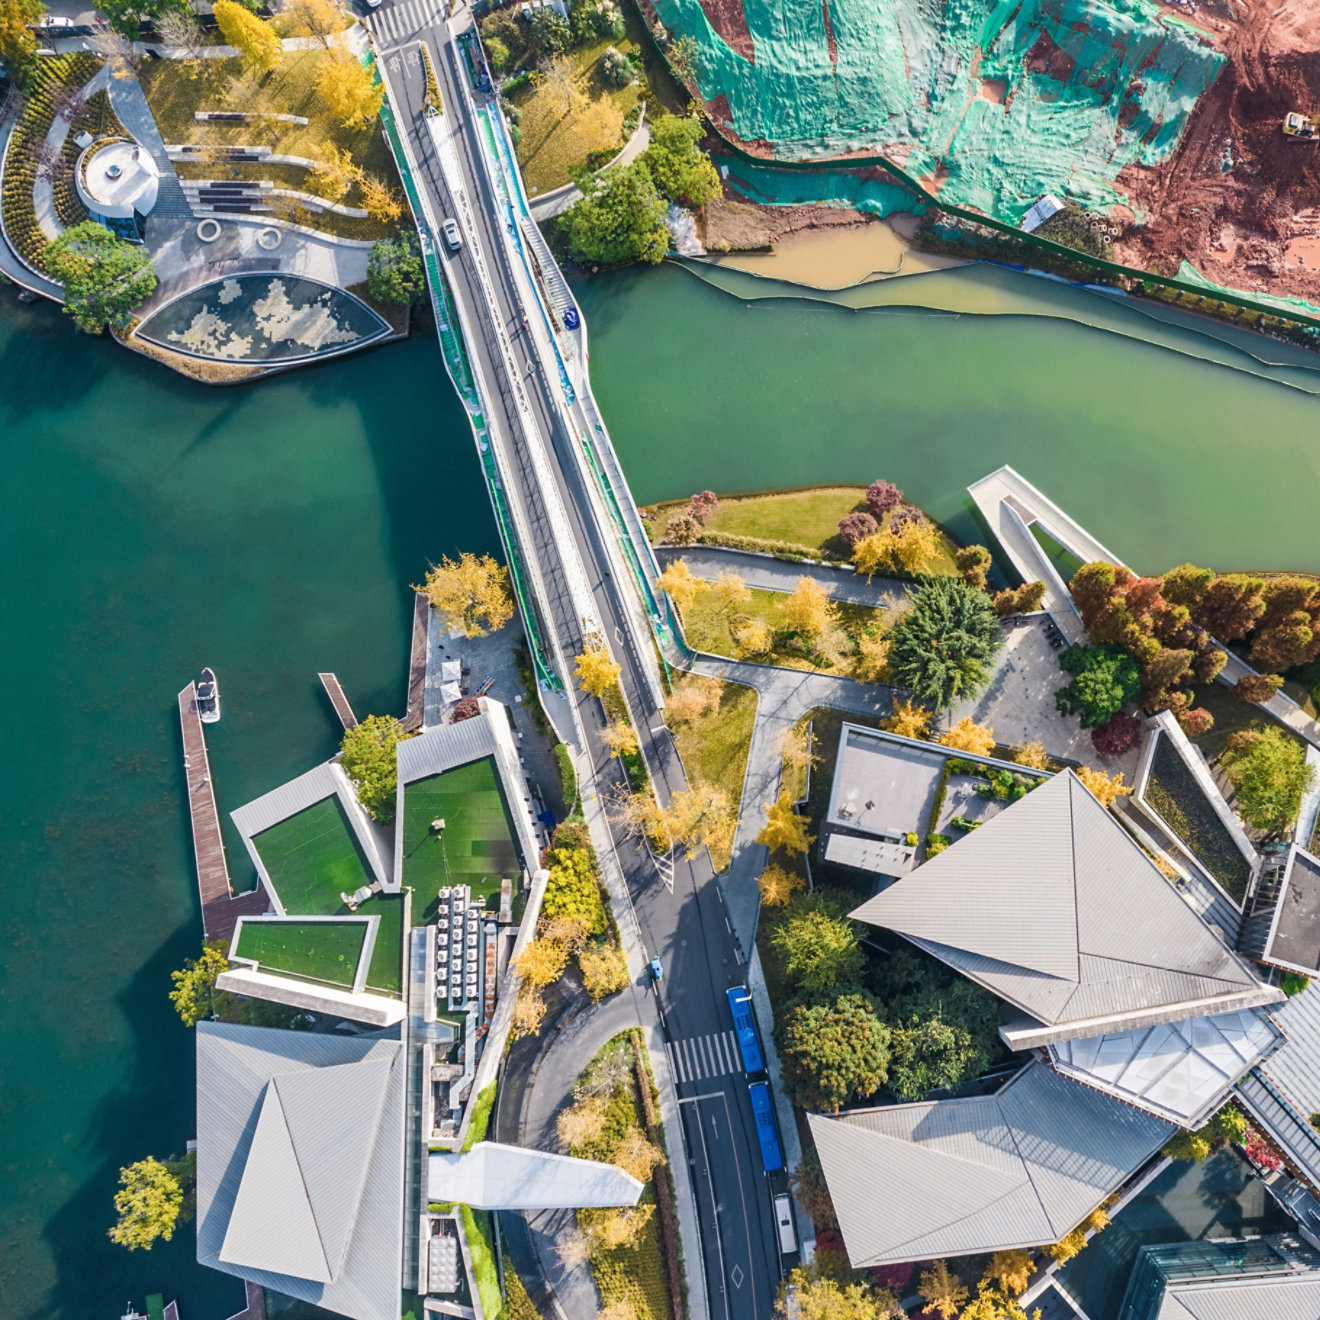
(412, 718)
(338, 700)
(220, 908)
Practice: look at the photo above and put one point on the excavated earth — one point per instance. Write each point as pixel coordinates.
(1239, 198)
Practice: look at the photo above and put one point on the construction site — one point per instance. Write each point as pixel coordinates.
(1166, 119)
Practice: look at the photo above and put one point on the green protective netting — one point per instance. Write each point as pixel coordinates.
(1091, 87)
(1188, 274)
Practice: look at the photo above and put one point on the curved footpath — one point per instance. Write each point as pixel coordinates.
(783, 697)
(767, 573)
(543, 1080)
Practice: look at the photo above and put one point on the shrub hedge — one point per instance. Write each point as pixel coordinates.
(53, 73)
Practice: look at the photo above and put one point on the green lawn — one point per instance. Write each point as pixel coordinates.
(477, 847)
(313, 951)
(386, 971)
(809, 518)
(175, 89)
(714, 747)
(313, 857)
(707, 627)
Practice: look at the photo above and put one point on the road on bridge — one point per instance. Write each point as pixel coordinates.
(679, 909)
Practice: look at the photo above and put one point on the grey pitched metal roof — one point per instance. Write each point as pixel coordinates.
(300, 1164)
(1052, 906)
(1295, 1298)
(955, 1177)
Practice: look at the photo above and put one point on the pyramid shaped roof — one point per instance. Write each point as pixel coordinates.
(1052, 906)
(302, 1182)
(954, 1177)
(300, 1156)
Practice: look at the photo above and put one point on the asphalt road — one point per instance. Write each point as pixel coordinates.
(680, 911)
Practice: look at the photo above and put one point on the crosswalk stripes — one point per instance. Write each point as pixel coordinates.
(397, 19)
(697, 1058)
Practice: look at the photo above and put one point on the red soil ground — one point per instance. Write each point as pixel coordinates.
(1257, 225)
(729, 20)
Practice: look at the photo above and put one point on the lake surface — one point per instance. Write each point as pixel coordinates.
(1163, 456)
(153, 526)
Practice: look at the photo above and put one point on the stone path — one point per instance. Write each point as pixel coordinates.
(769, 574)
(130, 104)
(783, 697)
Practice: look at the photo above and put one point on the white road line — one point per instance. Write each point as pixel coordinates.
(693, 1069)
(708, 1054)
(730, 1049)
(676, 1063)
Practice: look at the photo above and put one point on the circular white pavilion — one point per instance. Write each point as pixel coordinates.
(118, 182)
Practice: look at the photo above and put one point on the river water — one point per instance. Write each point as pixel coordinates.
(153, 526)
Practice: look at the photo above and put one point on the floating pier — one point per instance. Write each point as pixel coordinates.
(412, 719)
(338, 700)
(220, 909)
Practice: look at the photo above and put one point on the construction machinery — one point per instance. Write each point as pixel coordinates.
(1296, 124)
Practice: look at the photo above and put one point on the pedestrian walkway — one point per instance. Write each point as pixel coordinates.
(767, 574)
(130, 104)
(396, 23)
(700, 1058)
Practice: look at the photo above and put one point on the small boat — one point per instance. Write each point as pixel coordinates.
(208, 697)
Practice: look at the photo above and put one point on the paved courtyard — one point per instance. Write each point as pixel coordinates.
(1019, 702)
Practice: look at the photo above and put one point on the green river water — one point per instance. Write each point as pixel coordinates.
(153, 526)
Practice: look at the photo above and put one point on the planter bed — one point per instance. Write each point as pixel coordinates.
(1173, 792)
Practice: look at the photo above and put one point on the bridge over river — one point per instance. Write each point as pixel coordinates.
(583, 570)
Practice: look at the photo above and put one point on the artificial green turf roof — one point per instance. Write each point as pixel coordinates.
(313, 857)
(324, 951)
(477, 848)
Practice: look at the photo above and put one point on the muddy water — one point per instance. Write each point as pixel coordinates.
(839, 259)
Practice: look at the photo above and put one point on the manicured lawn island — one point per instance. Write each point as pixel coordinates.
(476, 847)
(322, 951)
(312, 857)
(805, 522)
(1174, 793)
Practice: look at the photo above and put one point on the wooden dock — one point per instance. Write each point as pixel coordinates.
(220, 909)
(412, 719)
(338, 700)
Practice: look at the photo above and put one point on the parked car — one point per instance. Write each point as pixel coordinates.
(453, 239)
(54, 21)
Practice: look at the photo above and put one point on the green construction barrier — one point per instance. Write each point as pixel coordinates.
(1007, 99)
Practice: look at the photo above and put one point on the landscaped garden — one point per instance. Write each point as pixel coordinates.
(574, 94)
(1173, 792)
(354, 167)
(794, 523)
(322, 951)
(55, 84)
(713, 732)
(476, 847)
(615, 1118)
(795, 642)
